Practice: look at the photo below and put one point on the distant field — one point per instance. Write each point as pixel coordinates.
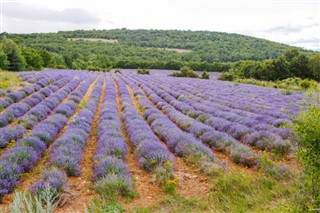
(146, 143)
(154, 72)
(93, 40)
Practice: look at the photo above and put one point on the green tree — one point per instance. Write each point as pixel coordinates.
(290, 54)
(46, 57)
(246, 69)
(299, 66)
(314, 66)
(57, 61)
(307, 131)
(4, 63)
(280, 69)
(33, 58)
(16, 60)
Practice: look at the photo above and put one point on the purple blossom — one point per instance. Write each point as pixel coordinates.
(152, 154)
(111, 146)
(45, 132)
(55, 180)
(16, 96)
(66, 108)
(9, 176)
(9, 134)
(33, 142)
(3, 121)
(25, 157)
(109, 165)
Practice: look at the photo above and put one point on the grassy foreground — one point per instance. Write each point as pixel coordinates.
(234, 191)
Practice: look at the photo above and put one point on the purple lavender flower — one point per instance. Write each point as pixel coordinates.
(3, 121)
(55, 180)
(109, 165)
(152, 154)
(25, 157)
(16, 96)
(9, 134)
(66, 108)
(46, 132)
(33, 142)
(9, 176)
(113, 146)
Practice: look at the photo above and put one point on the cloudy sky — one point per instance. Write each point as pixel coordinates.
(294, 22)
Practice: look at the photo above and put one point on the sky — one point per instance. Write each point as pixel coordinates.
(293, 22)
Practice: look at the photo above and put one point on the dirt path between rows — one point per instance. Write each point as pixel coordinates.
(188, 175)
(149, 191)
(81, 186)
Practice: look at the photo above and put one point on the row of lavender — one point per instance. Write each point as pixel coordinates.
(245, 129)
(26, 78)
(221, 141)
(206, 134)
(66, 152)
(42, 106)
(149, 151)
(250, 98)
(180, 143)
(176, 116)
(14, 97)
(109, 161)
(17, 110)
(26, 152)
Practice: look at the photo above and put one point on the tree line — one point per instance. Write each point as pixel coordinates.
(292, 63)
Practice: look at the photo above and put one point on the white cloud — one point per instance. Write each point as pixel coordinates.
(35, 13)
(285, 21)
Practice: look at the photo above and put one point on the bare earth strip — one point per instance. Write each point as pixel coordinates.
(149, 192)
(188, 175)
(81, 186)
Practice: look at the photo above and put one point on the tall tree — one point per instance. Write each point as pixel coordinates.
(16, 60)
(299, 66)
(4, 63)
(33, 58)
(314, 66)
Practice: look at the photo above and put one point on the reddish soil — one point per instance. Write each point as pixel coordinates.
(188, 176)
(81, 187)
(149, 191)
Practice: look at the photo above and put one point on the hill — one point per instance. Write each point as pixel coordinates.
(163, 49)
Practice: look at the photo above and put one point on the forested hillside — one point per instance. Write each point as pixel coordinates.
(162, 49)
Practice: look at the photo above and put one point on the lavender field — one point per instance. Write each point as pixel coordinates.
(82, 135)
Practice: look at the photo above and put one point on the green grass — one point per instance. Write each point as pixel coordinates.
(286, 84)
(238, 191)
(8, 79)
(81, 105)
(234, 191)
(175, 203)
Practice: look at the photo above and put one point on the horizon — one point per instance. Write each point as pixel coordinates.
(298, 26)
